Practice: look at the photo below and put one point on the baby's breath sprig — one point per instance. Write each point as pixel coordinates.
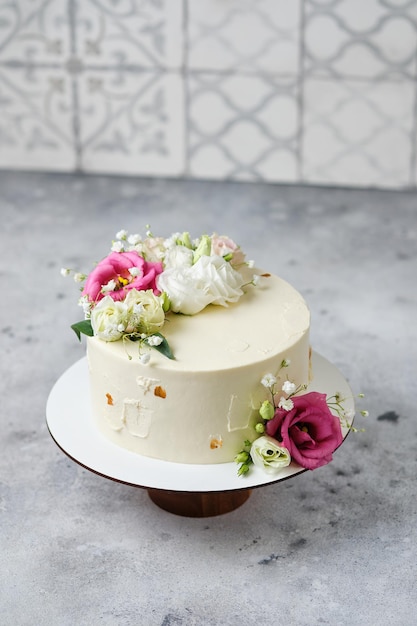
(78, 277)
(154, 340)
(335, 403)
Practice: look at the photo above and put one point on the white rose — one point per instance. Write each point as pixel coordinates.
(108, 319)
(211, 280)
(267, 454)
(144, 311)
(153, 249)
(178, 256)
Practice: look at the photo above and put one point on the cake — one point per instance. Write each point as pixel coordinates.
(196, 357)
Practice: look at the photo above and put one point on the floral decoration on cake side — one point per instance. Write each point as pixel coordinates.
(128, 293)
(293, 426)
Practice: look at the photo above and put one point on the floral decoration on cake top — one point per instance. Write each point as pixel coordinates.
(128, 294)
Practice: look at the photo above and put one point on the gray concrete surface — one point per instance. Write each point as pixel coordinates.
(335, 546)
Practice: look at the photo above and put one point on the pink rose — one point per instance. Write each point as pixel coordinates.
(114, 269)
(309, 430)
(223, 246)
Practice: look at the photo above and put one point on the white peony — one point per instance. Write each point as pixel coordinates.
(211, 280)
(108, 319)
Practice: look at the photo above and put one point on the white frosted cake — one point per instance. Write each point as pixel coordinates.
(196, 357)
(202, 406)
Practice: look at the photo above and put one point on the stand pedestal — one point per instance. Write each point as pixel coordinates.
(198, 504)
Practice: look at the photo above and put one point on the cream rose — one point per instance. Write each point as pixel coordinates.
(178, 256)
(267, 454)
(211, 280)
(109, 319)
(144, 312)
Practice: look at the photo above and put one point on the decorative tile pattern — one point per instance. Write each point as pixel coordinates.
(36, 119)
(357, 133)
(129, 34)
(243, 35)
(92, 85)
(242, 127)
(374, 39)
(132, 123)
(316, 91)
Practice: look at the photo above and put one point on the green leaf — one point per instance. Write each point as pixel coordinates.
(83, 327)
(164, 348)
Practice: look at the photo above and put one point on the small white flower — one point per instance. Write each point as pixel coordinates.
(122, 235)
(78, 277)
(145, 358)
(255, 279)
(286, 363)
(121, 328)
(117, 246)
(365, 413)
(86, 305)
(134, 239)
(268, 381)
(285, 404)
(65, 271)
(250, 264)
(154, 340)
(134, 271)
(111, 285)
(288, 387)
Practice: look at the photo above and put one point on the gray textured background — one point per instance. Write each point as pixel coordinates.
(335, 546)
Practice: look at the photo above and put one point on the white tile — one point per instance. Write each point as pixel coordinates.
(132, 123)
(260, 36)
(242, 127)
(36, 119)
(357, 39)
(33, 33)
(130, 34)
(357, 132)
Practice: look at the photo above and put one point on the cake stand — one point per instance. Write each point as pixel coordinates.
(184, 489)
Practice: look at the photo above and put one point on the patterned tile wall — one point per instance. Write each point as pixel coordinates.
(309, 91)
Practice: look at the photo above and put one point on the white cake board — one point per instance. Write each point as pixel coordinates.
(71, 425)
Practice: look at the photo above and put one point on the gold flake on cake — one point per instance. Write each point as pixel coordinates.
(216, 442)
(109, 399)
(160, 392)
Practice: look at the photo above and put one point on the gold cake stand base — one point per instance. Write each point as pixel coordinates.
(198, 504)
